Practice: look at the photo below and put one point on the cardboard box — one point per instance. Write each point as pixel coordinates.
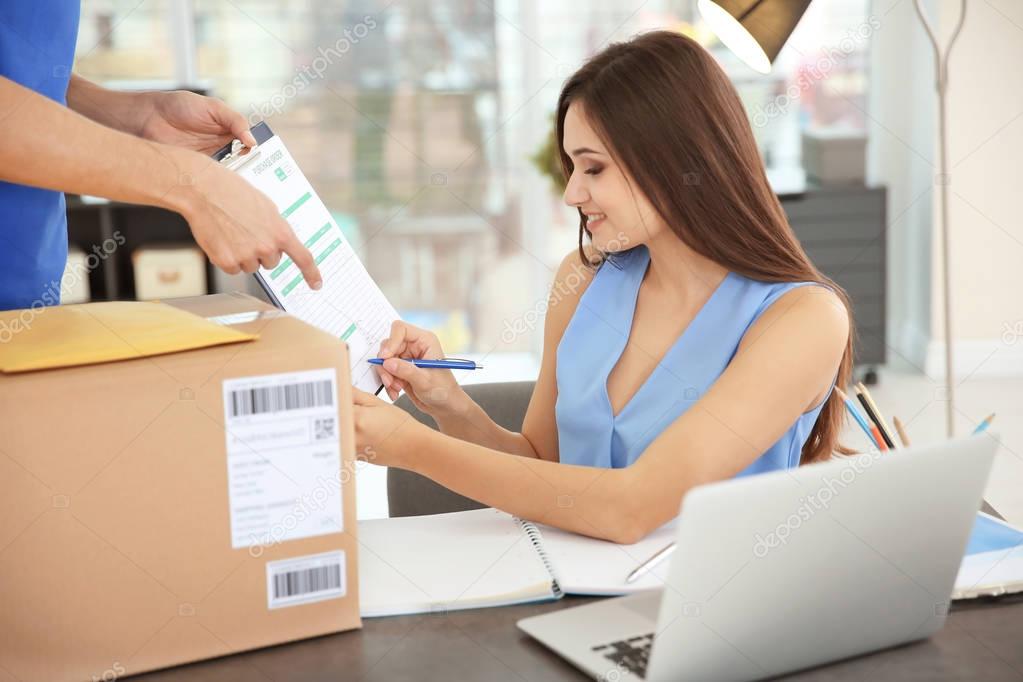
(143, 525)
(835, 155)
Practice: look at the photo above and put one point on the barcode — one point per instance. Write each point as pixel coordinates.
(296, 583)
(265, 399)
(305, 579)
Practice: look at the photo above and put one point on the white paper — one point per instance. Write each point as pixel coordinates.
(350, 305)
(589, 566)
(990, 574)
(445, 562)
(283, 457)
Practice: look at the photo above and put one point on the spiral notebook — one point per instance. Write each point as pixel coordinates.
(486, 557)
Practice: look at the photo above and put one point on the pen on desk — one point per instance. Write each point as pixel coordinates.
(649, 564)
(903, 436)
(984, 424)
(433, 364)
(856, 414)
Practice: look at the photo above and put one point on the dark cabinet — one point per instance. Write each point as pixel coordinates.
(843, 230)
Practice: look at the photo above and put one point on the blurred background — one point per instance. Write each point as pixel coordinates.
(425, 129)
(416, 123)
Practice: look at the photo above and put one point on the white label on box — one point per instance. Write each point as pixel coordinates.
(283, 457)
(305, 579)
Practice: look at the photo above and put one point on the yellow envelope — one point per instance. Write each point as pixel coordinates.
(88, 333)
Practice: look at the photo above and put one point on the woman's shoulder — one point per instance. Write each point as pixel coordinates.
(573, 277)
(797, 307)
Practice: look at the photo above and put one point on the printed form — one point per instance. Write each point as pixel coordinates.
(349, 305)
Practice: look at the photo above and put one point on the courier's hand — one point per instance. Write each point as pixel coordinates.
(434, 391)
(383, 432)
(185, 119)
(237, 226)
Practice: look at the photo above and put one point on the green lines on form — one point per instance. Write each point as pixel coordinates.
(286, 263)
(348, 332)
(291, 285)
(295, 206)
(326, 252)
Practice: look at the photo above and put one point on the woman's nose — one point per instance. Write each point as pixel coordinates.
(575, 195)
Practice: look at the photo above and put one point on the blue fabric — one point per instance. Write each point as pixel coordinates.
(37, 46)
(588, 432)
(989, 535)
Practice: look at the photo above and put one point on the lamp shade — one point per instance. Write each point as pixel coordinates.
(754, 30)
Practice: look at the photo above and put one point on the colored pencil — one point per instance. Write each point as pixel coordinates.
(984, 424)
(886, 430)
(873, 417)
(902, 431)
(878, 438)
(856, 415)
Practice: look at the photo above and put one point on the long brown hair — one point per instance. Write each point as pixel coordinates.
(668, 113)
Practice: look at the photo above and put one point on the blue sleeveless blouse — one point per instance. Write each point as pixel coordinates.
(589, 433)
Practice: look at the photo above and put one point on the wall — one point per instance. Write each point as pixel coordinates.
(985, 140)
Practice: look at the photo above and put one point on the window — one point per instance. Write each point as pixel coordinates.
(416, 121)
(126, 43)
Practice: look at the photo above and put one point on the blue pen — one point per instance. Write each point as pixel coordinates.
(451, 363)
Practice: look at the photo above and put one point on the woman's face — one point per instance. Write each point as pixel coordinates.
(618, 214)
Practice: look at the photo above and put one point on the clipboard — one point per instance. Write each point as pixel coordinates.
(235, 155)
(350, 305)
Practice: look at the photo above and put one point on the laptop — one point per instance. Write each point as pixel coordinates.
(783, 571)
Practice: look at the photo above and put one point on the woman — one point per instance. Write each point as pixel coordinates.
(702, 345)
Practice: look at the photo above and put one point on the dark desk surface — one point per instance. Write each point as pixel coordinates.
(979, 642)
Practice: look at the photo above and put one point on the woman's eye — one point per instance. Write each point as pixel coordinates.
(593, 171)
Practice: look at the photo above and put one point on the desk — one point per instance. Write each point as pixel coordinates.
(979, 642)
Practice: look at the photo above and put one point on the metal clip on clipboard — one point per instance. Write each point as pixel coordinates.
(239, 155)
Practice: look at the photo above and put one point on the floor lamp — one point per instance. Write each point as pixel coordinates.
(941, 83)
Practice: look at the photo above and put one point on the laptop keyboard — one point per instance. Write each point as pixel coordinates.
(631, 654)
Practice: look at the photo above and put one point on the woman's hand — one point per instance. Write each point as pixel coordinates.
(384, 431)
(434, 391)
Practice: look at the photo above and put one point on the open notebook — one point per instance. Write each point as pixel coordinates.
(487, 557)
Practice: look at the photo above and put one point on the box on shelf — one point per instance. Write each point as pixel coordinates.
(835, 155)
(178, 507)
(167, 271)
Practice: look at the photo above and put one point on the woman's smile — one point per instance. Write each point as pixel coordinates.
(594, 220)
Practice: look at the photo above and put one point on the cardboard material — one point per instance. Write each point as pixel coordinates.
(116, 549)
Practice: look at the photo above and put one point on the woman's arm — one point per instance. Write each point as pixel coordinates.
(787, 358)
